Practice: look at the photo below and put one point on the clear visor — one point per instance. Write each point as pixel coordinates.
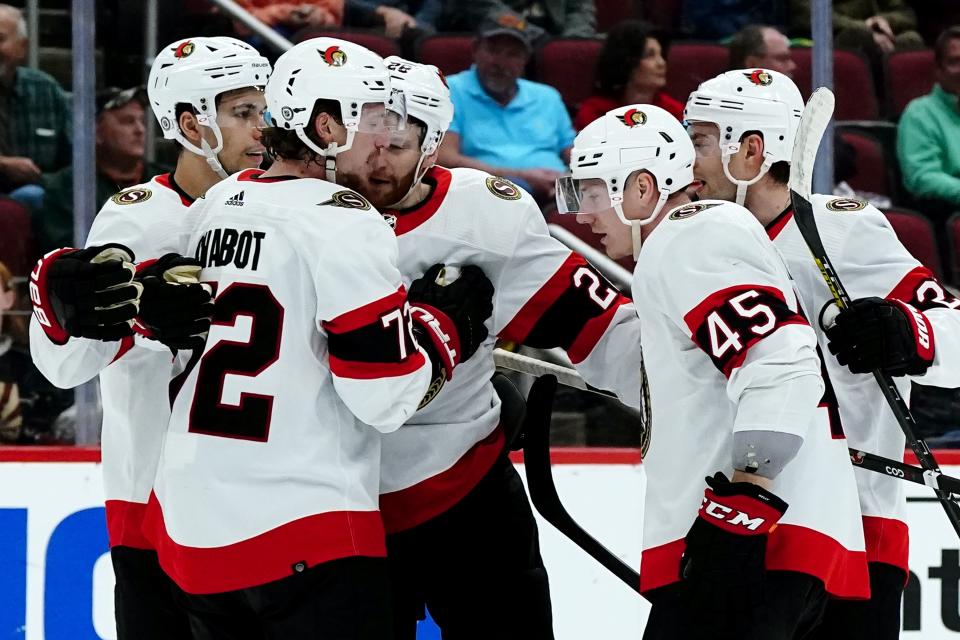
(379, 117)
(706, 141)
(586, 195)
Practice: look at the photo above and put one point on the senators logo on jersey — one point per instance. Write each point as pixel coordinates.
(347, 200)
(132, 196)
(690, 210)
(503, 188)
(335, 56)
(846, 204)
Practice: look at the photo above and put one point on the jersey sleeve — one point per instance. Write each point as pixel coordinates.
(378, 369)
(548, 296)
(82, 359)
(873, 262)
(725, 291)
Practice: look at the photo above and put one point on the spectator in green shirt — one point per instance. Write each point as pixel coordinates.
(928, 138)
(35, 120)
(120, 138)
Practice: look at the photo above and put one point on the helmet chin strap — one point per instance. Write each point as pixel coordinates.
(742, 184)
(205, 150)
(417, 177)
(636, 225)
(329, 154)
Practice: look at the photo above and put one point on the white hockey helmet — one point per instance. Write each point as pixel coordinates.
(427, 97)
(331, 69)
(195, 71)
(749, 100)
(615, 145)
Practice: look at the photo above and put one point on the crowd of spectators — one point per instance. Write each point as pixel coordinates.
(509, 120)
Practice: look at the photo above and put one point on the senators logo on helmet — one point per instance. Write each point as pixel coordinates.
(184, 49)
(633, 117)
(760, 78)
(335, 56)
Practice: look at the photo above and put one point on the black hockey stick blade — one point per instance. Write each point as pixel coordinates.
(543, 491)
(813, 123)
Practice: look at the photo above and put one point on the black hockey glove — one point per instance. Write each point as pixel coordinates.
(448, 318)
(175, 307)
(874, 333)
(723, 563)
(85, 293)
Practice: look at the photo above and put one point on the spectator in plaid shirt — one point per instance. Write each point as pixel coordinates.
(35, 121)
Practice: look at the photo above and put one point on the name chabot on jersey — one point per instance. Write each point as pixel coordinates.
(222, 247)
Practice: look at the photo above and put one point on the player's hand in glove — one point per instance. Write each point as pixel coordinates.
(175, 307)
(874, 333)
(448, 318)
(723, 563)
(85, 293)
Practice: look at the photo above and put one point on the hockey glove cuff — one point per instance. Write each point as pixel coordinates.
(890, 335)
(437, 333)
(85, 293)
(723, 563)
(175, 306)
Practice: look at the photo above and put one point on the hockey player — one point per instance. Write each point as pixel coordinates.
(85, 302)
(461, 535)
(903, 320)
(735, 386)
(265, 503)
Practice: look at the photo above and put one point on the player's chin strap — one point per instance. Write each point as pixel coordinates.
(420, 171)
(742, 185)
(330, 153)
(205, 150)
(636, 225)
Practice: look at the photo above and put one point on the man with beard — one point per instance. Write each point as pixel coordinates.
(461, 536)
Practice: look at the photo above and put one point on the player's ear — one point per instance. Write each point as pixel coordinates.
(752, 149)
(190, 127)
(323, 126)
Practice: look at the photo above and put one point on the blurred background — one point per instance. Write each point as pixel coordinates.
(74, 128)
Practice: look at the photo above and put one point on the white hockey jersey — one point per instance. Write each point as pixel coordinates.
(271, 460)
(871, 261)
(544, 296)
(149, 219)
(727, 350)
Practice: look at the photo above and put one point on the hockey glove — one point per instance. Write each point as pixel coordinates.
(889, 335)
(175, 307)
(448, 319)
(723, 563)
(85, 293)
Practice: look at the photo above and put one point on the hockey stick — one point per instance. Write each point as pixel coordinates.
(904, 471)
(869, 461)
(543, 491)
(813, 123)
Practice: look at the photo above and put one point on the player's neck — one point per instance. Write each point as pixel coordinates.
(417, 194)
(767, 199)
(298, 168)
(194, 175)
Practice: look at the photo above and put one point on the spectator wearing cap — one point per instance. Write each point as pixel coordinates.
(120, 139)
(631, 69)
(35, 120)
(928, 137)
(761, 46)
(503, 124)
(558, 18)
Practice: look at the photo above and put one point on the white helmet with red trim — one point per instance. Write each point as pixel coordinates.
(331, 69)
(615, 145)
(748, 100)
(194, 71)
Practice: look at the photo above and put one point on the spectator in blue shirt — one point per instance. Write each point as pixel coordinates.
(503, 124)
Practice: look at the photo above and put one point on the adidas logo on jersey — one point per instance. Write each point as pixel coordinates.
(235, 201)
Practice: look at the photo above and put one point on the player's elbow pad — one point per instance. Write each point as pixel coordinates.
(764, 453)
